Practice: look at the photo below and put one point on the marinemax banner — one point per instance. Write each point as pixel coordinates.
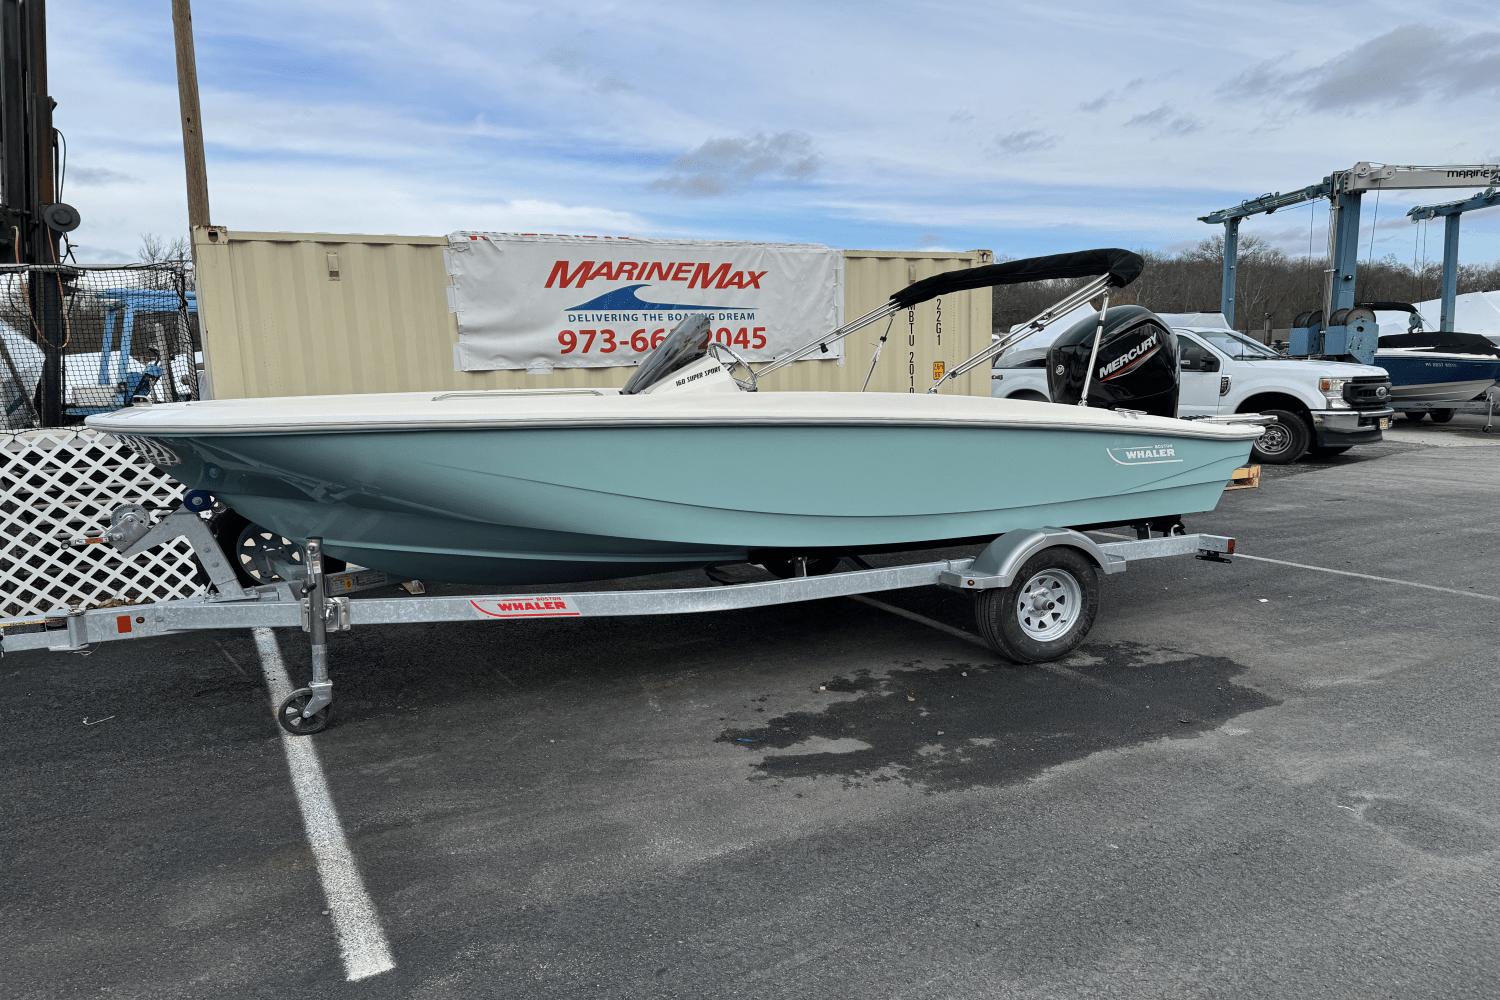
(538, 302)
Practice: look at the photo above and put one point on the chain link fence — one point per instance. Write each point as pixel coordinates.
(76, 341)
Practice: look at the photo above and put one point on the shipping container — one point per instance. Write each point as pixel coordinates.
(291, 314)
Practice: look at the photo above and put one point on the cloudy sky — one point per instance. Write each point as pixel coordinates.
(1020, 127)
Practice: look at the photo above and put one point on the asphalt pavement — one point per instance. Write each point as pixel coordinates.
(1276, 778)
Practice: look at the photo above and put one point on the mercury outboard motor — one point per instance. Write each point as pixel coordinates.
(1136, 367)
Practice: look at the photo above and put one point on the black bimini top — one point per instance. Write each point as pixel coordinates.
(1121, 266)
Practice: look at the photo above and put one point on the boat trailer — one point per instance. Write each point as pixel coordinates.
(1485, 405)
(1036, 595)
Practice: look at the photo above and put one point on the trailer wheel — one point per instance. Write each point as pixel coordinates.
(1046, 612)
(290, 717)
(1442, 416)
(249, 548)
(1284, 441)
(1414, 416)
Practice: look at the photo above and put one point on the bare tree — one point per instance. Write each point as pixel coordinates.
(171, 261)
(156, 249)
(1272, 287)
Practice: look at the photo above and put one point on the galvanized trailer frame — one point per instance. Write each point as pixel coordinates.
(319, 603)
(1485, 405)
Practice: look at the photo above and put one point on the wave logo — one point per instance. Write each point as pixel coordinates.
(626, 300)
(1151, 454)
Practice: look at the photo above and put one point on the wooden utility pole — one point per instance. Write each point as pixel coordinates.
(192, 114)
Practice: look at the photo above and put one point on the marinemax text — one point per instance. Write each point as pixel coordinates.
(565, 274)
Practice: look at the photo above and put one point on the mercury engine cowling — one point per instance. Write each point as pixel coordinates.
(1136, 367)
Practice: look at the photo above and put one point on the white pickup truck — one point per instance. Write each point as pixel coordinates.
(1323, 407)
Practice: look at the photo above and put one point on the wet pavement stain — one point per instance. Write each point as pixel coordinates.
(1429, 828)
(963, 725)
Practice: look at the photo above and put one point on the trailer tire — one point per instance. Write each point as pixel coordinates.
(1283, 441)
(289, 715)
(1414, 416)
(1046, 611)
(1442, 416)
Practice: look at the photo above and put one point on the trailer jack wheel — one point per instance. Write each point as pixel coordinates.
(290, 716)
(1046, 612)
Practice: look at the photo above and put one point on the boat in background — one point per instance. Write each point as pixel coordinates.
(690, 464)
(1431, 366)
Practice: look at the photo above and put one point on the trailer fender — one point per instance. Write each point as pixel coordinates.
(1003, 558)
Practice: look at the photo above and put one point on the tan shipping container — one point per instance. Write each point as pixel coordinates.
(293, 314)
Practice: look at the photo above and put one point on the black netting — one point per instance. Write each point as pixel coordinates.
(76, 341)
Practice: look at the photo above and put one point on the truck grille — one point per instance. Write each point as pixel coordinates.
(1368, 392)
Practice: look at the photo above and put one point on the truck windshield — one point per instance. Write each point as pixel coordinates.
(1237, 345)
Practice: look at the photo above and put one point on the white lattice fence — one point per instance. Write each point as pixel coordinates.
(60, 483)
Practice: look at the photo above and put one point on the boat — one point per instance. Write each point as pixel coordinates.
(692, 463)
(1431, 375)
(1431, 366)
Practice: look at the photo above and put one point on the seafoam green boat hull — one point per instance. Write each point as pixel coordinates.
(578, 503)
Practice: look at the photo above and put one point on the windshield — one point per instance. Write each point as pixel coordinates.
(687, 342)
(1236, 345)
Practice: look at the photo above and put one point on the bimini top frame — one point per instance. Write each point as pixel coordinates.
(1110, 268)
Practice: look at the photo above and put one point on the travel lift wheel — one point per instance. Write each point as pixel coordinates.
(1046, 612)
(290, 714)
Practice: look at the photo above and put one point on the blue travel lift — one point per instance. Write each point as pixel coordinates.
(124, 383)
(1451, 212)
(1347, 331)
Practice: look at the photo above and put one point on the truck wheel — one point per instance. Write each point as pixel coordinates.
(1283, 441)
(1030, 397)
(1442, 416)
(1046, 612)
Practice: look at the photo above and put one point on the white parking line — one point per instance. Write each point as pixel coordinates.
(1377, 579)
(361, 939)
(1345, 572)
(959, 633)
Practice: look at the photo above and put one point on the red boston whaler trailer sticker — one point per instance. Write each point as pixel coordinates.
(527, 607)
